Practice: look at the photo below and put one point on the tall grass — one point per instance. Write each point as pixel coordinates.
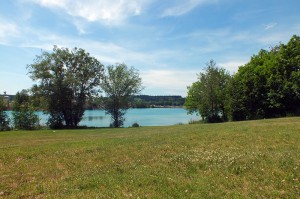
(254, 159)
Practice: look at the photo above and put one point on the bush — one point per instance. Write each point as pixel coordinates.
(55, 121)
(23, 113)
(135, 125)
(25, 119)
(4, 119)
(178, 124)
(195, 122)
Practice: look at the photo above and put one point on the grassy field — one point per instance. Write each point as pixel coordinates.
(253, 159)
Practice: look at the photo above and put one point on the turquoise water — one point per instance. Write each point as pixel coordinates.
(144, 117)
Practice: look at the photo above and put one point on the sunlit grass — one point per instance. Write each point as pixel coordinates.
(242, 159)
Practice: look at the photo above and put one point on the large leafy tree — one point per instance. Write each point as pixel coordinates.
(119, 84)
(66, 78)
(207, 96)
(248, 96)
(269, 85)
(287, 71)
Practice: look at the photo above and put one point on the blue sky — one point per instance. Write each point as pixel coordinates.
(168, 41)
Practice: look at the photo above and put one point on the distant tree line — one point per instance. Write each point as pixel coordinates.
(267, 86)
(136, 101)
(147, 101)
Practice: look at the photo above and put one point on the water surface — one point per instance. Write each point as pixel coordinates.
(142, 116)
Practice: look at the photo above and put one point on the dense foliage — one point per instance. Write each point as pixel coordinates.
(269, 85)
(4, 119)
(266, 87)
(119, 84)
(23, 114)
(65, 80)
(207, 96)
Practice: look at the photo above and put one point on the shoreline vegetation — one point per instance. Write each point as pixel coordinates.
(247, 159)
(139, 101)
(265, 87)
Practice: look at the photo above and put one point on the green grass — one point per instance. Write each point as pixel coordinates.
(254, 159)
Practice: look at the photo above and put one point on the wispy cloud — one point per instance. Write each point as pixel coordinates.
(232, 66)
(8, 31)
(183, 7)
(105, 11)
(270, 26)
(171, 82)
(157, 81)
(275, 38)
(173, 58)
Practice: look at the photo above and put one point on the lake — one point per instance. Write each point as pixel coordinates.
(143, 116)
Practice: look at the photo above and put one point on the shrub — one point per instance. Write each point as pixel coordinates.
(135, 125)
(25, 119)
(4, 119)
(196, 122)
(23, 113)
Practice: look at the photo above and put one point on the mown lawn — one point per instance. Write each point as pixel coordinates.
(254, 159)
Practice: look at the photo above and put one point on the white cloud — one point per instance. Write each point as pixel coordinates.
(52, 3)
(270, 26)
(162, 82)
(106, 11)
(232, 66)
(106, 52)
(169, 82)
(184, 7)
(8, 31)
(275, 38)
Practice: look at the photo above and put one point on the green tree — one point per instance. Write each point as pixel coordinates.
(4, 119)
(286, 70)
(248, 89)
(267, 86)
(23, 113)
(119, 84)
(66, 80)
(207, 96)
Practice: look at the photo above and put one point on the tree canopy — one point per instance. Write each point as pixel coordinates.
(267, 86)
(4, 119)
(207, 96)
(65, 80)
(119, 83)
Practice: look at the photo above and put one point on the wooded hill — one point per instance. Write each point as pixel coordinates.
(146, 101)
